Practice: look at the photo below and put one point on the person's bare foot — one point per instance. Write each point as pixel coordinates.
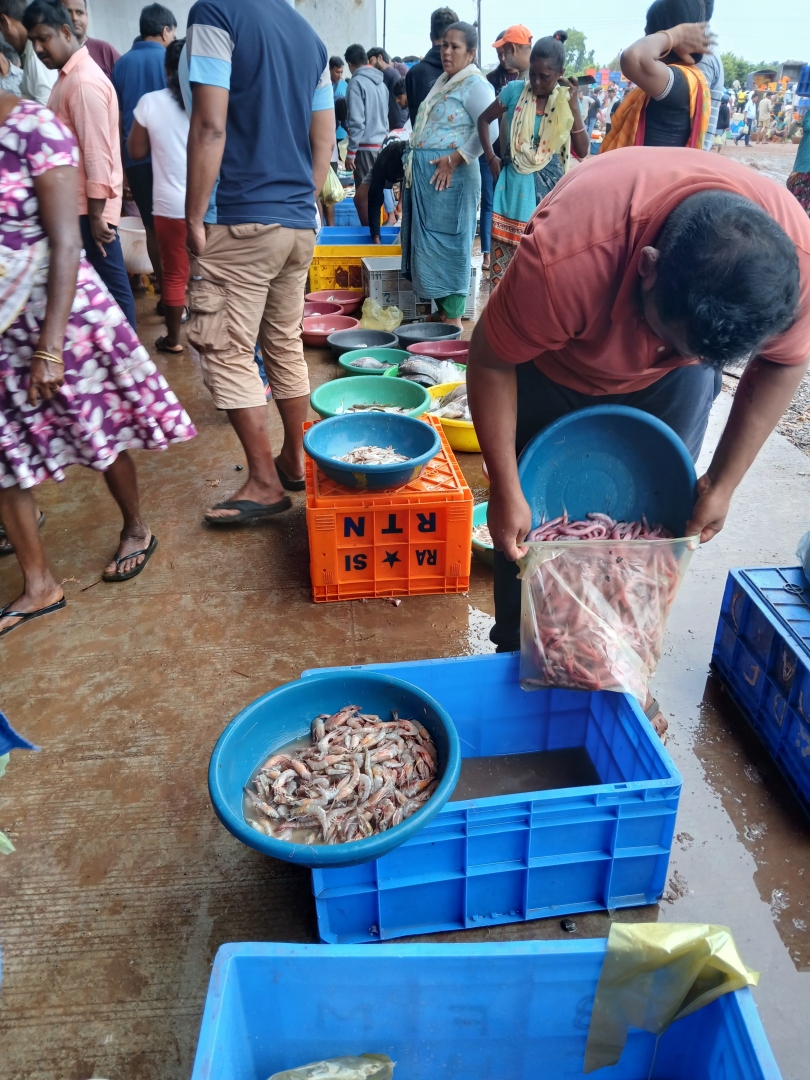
(485, 263)
(131, 540)
(252, 491)
(33, 599)
(294, 470)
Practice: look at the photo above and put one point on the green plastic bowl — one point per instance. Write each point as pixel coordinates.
(327, 399)
(484, 553)
(393, 373)
(385, 356)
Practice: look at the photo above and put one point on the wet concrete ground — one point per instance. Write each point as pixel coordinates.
(124, 884)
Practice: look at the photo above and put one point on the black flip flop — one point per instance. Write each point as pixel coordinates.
(286, 482)
(10, 550)
(147, 552)
(27, 616)
(250, 513)
(161, 346)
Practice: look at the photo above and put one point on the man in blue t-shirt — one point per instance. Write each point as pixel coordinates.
(139, 72)
(259, 148)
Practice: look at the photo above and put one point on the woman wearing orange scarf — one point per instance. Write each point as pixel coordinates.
(670, 104)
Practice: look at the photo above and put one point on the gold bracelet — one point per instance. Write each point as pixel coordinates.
(42, 354)
(669, 39)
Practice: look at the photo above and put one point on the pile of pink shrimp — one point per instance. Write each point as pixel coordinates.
(596, 615)
(598, 527)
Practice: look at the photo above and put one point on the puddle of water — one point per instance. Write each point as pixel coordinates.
(479, 624)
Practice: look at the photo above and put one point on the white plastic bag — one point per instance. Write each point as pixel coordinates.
(593, 612)
(803, 554)
(332, 191)
(364, 1067)
(376, 317)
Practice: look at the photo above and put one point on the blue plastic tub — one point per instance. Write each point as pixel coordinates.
(762, 657)
(338, 435)
(510, 858)
(517, 1010)
(611, 459)
(355, 235)
(286, 713)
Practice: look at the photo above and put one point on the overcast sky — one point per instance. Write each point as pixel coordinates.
(749, 28)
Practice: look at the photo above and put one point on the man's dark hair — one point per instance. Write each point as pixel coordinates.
(341, 110)
(47, 13)
(727, 274)
(398, 88)
(12, 9)
(154, 19)
(335, 61)
(356, 54)
(377, 51)
(439, 21)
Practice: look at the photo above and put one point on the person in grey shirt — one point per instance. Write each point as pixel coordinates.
(37, 81)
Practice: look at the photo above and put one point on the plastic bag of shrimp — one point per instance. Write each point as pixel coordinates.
(595, 598)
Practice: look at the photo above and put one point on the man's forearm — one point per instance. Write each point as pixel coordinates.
(764, 392)
(321, 141)
(95, 209)
(492, 393)
(206, 145)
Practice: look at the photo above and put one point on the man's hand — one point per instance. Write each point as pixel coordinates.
(376, 240)
(510, 520)
(102, 233)
(351, 164)
(710, 510)
(196, 238)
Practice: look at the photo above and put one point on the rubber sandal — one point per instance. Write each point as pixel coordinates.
(27, 616)
(10, 550)
(161, 346)
(250, 513)
(185, 316)
(148, 552)
(286, 482)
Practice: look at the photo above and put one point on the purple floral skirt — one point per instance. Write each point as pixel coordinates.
(798, 184)
(113, 397)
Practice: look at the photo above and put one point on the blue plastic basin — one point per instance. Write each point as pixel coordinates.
(286, 713)
(338, 435)
(609, 459)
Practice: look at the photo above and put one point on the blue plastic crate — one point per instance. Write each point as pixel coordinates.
(358, 235)
(513, 1009)
(346, 213)
(762, 656)
(510, 858)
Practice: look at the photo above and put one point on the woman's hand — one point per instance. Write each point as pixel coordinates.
(444, 172)
(45, 380)
(495, 167)
(688, 38)
(573, 93)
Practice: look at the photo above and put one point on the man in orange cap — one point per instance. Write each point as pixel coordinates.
(516, 45)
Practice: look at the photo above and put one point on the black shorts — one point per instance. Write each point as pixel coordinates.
(139, 178)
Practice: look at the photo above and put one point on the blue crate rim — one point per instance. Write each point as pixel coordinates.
(770, 610)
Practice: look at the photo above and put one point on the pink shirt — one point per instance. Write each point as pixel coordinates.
(84, 99)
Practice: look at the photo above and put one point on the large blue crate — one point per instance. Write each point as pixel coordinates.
(513, 1009)
(346, 213)
(762, 656)
(510, 858)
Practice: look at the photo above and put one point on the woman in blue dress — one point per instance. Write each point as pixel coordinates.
(544, 126)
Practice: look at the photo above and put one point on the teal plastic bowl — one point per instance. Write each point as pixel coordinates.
(286, 713)
(336, 397)
(393, 357)
(485, 554)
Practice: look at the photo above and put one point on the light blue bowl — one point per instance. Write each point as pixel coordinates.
(609, 459)
(484, 552)
(338, 435)
(286, 713)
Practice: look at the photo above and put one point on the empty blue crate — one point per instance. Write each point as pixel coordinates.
(762, 657)
(510, 858)
(513, 1009)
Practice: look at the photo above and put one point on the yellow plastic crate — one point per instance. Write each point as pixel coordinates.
(341, 266)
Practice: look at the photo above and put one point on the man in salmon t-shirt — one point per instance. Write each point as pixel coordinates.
(612, 300)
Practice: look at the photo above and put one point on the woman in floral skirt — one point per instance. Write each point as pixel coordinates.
(76, 385)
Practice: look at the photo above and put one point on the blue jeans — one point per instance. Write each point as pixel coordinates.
(590, 125)
(487, 194)
(111, 269)
(682, 398)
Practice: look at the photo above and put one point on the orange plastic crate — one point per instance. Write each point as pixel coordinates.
(413, 541)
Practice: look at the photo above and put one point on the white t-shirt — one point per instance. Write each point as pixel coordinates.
(167, 125)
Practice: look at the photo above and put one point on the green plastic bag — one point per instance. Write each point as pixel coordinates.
(364, 1067)
(375, 317)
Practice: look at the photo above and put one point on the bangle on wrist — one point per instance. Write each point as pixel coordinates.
(577, 130)
(48, 357)
(668, 36)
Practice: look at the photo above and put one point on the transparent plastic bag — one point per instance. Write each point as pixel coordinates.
(364, 1067)
(803, 555)
(594, 612)
(380, 318)
(332, 191)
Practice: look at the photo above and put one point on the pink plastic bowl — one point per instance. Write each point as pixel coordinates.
(348, 299)
(317, 307)
(317, 328)
(442, 350)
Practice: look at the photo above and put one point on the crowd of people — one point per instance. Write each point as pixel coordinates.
(222, 142)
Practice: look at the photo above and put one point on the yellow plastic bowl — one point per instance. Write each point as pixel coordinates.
(460, 433)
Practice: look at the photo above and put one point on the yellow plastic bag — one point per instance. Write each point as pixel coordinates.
(333, 191)
(656, 973)
(380, 318)
(364, 1067)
